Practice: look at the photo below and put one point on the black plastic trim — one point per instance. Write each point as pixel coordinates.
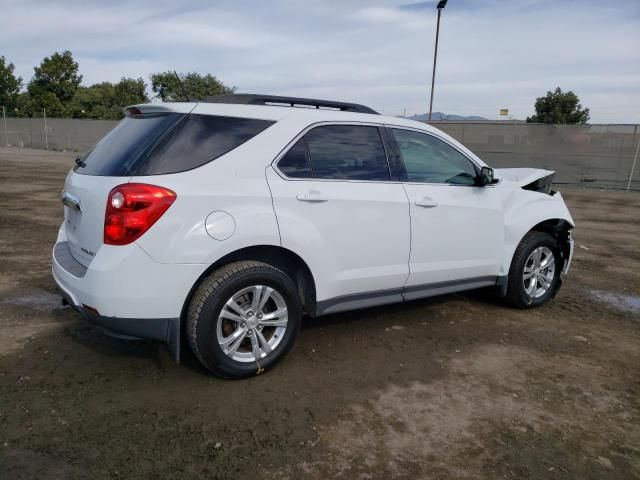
(358, 300)
(383, 297)
(502, 284)
(255, 99)
(396, 162)
(166, 330)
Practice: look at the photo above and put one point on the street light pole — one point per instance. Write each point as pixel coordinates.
(440, 7)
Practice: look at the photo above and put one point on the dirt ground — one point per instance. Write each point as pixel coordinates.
(455, 387)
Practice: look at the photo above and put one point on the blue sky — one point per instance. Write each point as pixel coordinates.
(493, 53)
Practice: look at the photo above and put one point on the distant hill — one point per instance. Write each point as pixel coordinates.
(437, 116)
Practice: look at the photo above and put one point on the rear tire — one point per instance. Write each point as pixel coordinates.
(243, 319)
(534, 275)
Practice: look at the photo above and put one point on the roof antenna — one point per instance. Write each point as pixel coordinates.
(184, 91)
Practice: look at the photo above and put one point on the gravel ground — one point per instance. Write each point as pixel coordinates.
(455, 387)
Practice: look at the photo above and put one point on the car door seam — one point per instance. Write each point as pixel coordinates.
(273, 206)
(406, 194)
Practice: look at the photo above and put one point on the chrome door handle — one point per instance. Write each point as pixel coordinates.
(426, 202)
(312, 196)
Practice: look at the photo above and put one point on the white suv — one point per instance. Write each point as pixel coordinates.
(226, 221)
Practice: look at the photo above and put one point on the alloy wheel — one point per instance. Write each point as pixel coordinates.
(252, 323)
(539, 271)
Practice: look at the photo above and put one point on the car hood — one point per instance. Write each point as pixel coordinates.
(521, 176)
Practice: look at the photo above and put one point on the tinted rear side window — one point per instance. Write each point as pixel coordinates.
(295, 163)
(198, 139)
(347, 152)
(118, 153)
(168, 143)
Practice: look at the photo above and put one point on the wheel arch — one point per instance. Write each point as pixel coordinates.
(282, 258)
(558, 227)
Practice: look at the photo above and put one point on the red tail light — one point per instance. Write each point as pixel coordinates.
(131, 210)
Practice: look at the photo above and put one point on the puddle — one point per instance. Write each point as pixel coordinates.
(628, 303)
(39, 301)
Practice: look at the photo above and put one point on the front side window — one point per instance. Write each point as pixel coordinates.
(349, 152)
(428, 159)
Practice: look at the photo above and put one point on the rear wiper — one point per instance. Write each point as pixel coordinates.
(80, 162)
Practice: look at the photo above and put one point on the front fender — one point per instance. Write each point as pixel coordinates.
(523, 211)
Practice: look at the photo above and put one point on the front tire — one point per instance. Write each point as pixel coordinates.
(534, 275)
(243, 319)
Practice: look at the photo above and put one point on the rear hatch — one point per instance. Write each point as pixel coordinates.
(85, 201)
(113, 161)
(151, 140)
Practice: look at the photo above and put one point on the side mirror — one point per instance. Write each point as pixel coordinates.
(486, 176)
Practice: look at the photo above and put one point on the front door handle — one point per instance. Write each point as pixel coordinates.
(426, 202)
(312, 196)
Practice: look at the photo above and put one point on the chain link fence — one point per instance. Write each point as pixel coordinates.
(593, 155)
(73, 135)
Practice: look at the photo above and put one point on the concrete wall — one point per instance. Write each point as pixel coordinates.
(602, 155)
(598, 155)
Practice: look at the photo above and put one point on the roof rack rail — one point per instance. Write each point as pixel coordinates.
(252, 99)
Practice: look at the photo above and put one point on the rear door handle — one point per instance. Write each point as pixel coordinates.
(312, 196)
(426, 202)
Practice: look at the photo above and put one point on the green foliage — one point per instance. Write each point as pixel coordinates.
(9, 85)
(106, 100)
(130, 91)
(559, 107)
(198, 87)
(56, 87)
(54, 83)
(25, 106)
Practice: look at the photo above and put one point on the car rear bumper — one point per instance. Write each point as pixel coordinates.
(124, 292)
(166, 330)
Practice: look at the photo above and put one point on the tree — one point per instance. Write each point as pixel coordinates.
(25, 106)
(198, 87)
(55, 82)
(9, 84)
(130, 91)
(106, 100)
(559, 107)
(91, 102)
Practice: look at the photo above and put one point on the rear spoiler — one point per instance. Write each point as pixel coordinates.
(172, 107)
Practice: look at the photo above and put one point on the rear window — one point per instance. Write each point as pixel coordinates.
(350, 152)
(156, 144)
(295, 163)
(347, 152)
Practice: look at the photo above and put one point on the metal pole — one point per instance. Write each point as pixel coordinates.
(6, 135)
(46, 137)
(633, 167)
(435, 57)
